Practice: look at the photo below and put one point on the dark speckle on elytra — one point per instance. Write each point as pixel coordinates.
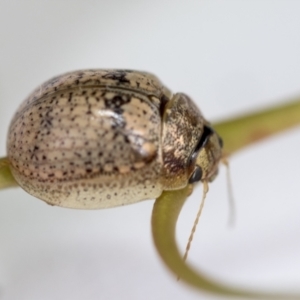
(70, 97)
(118, 75)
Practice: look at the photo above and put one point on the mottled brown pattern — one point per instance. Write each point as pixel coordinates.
(101, 138)
(182, 128)
(142, 82)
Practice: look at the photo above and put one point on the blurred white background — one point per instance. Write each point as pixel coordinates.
(230, 57)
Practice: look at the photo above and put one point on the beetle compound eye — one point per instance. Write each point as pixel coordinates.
(207, 132)
(196, 176)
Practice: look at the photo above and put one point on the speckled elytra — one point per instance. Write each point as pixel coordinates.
(101, 138)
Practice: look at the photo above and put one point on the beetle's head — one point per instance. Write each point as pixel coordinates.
(206, 156)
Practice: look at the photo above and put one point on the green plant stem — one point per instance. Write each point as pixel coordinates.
(164, 217)
(236, 134)
(6, 178)
(248, 129)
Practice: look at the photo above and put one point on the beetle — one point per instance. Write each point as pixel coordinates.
(100, 138)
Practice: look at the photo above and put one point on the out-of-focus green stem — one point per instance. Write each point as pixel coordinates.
(6, 178)
(236, 134)
(164, 217)
(248, 129)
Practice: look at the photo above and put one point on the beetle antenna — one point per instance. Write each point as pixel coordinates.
(231, 202)
(188, 246)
